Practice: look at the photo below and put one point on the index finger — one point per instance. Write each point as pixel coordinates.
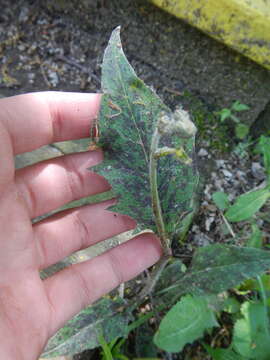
(36, 119)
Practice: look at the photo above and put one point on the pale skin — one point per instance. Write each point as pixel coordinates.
(31, 310)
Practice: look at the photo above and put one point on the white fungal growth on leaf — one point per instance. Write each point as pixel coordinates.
(178, 122)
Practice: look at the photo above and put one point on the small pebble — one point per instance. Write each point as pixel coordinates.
(31, 77)
(201, 239)
(227, 173)
(21, 47)
(220, 163)
(208, 223)
(202, 152)
(24, 15)
(257, 170)
(53, 77)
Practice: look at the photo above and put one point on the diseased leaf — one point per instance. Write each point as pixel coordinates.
(83, 331)
(216, 268)
(170, 274)
(128, 118)
(184, 323)
(251, 337)
(247, 205)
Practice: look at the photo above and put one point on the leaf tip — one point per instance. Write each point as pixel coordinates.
(116, 32)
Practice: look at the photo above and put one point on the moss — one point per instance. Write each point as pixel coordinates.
(219, 136)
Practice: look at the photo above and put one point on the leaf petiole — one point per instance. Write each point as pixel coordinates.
(165, 242)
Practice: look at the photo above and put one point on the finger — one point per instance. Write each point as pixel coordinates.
(41, 118)
(50, 184)
(6, 158)
(84, 283)
(73, 230)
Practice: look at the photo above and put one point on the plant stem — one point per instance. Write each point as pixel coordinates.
(154, 277)
(228, 225)
(165, 242)
(264, 300)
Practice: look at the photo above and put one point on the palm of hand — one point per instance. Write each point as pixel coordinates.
(31, 310)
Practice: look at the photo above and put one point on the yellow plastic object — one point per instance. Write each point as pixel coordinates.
(243, 25)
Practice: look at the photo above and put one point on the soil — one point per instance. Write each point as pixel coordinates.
(58, 45)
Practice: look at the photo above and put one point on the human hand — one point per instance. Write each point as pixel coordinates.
(32, 310)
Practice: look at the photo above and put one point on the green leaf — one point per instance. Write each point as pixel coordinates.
(237, 106)
(222, 354)
(264, 149)
(251, 337)
(106, 351)
(247, 205)
(117, 350)
(216, 268)
(235, 118)
(225, 114)
(231, 305)
(253, 285)
(256, 239)
(265, 278)
(184, 323)
(84, 330)
(128, 117)
(221, 200)
(241, 131)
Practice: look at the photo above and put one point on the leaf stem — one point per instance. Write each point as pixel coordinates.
(165, 242)
(151, 283)
(228, 225)
(264, 301)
